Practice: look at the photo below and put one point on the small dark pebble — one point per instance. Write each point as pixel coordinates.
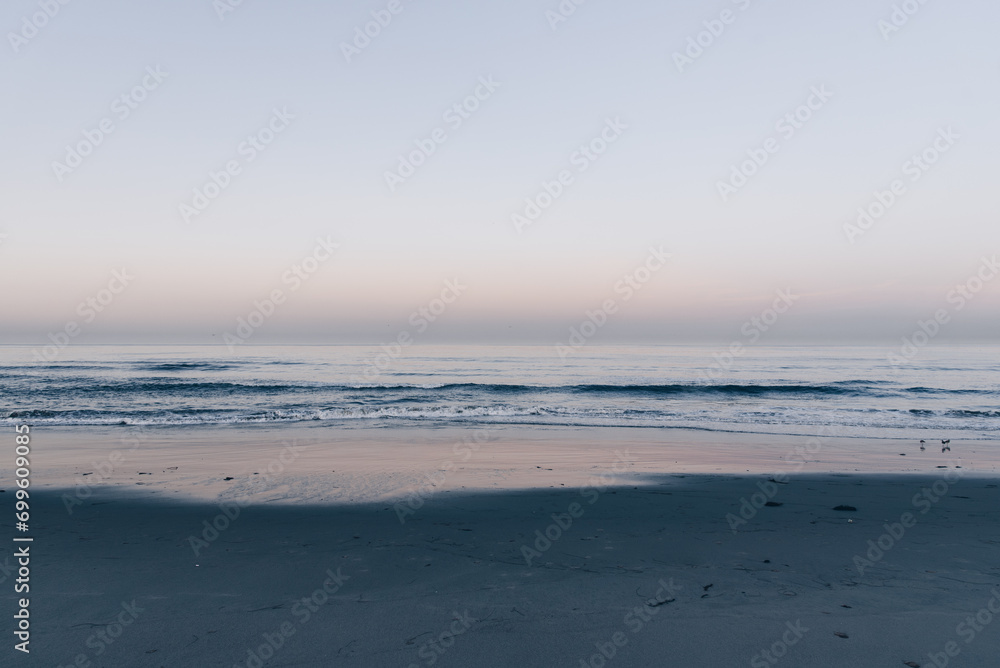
(844, 606)
(842, 507)
(707, 587)
(840, 635)
(230, 477)
(911, 664)
(767, 561)
(902, 454)
(773, 504)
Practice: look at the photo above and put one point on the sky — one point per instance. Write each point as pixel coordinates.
(171, 171)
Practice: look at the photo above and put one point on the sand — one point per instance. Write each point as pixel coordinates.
(638, 548)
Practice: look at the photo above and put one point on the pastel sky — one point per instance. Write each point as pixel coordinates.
(672, 131)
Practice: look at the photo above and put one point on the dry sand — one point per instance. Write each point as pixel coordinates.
(427, 563)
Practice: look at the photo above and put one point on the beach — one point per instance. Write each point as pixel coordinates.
(518, 334)
(506, 546)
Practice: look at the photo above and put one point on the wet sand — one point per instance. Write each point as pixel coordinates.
(599, 561)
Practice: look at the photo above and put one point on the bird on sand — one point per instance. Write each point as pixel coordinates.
(922, 444)
(944, 445)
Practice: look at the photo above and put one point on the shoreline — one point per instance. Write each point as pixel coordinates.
(321, 464)
(359, 424)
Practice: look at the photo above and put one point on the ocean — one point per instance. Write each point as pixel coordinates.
(943, 392)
